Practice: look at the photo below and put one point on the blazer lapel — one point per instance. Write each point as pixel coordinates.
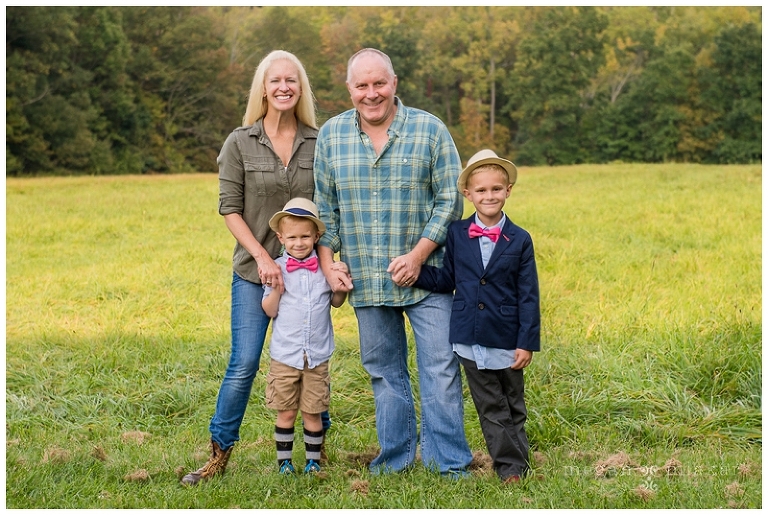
(472, 243)
(504, 241)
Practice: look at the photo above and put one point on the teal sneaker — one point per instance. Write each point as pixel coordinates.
(312, 467)
(286, 468)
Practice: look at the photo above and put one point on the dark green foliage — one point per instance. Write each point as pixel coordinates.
(733, 91)
(116, 90)
(554, 67)
(106, 90)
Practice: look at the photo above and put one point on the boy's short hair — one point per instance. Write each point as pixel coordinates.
(483, 158)
(489, 167)
(298, 207)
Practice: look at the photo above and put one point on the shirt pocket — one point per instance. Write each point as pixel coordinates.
(305, 176)
(260, 177)
(411, 173)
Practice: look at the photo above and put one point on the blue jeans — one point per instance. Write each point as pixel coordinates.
(249, 330)
(384, 353)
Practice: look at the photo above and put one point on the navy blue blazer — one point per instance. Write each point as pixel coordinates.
(497, 306)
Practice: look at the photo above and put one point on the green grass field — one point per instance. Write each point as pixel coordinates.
(647, 392)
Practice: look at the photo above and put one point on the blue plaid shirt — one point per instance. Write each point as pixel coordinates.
(378, 207)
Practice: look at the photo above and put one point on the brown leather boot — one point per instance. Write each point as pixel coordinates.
(216, 464)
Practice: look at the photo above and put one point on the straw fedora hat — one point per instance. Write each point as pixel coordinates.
(486, 157)
(300, 207)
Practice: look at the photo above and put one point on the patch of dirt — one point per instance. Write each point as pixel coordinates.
(99, 453)
(139, 475)
(360, 487)
(644, 493)
(362, 459)
(734, 490)
(56, 455)
(179, 471)
(612, 465)
(135, 436)
(539, 458)
(481, 462)
(673, 467)
(747, 470)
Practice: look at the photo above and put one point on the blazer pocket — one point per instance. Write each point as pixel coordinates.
(458, 306)
(509, 262)
(508, 311)
(260, 175)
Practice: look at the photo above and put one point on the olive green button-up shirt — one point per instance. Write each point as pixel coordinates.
(254, 183)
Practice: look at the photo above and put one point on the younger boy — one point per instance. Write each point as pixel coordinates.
(302, 334)
(495, 321)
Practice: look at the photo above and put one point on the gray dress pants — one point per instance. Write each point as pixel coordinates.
(498, 398)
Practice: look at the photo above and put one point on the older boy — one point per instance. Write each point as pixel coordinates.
(302, 334)
(495, 321)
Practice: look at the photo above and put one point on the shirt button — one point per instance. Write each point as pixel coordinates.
(481, 306)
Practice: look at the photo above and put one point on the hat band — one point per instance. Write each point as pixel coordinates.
(299, 212)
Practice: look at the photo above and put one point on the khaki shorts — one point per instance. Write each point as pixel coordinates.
(308, 390)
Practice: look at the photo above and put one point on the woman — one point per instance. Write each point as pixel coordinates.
(262, 165)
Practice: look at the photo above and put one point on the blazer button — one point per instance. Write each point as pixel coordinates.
(482, 281)
(481, 306)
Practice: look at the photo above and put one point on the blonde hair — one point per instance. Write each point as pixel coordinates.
(257, 103)
(490, 167)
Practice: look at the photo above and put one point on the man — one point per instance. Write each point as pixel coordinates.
(385, 184)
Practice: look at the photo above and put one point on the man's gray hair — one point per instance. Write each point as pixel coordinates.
(384, 57)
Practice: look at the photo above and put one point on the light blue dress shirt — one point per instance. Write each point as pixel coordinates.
(303, 323)
(486, 357)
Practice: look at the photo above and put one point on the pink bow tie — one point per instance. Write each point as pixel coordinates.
(294, 264)
(475, 231)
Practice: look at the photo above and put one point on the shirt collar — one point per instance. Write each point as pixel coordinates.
(500, 224)
(302, 130)
(311, 254)
(397, 122)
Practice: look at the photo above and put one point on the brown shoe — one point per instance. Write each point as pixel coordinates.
(216, 464)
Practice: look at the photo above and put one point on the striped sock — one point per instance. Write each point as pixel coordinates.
(312, 442)
(284, 443)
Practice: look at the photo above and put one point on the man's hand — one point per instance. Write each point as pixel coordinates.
(336, 273)
(405, 269)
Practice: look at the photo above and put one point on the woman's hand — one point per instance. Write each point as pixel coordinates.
(270, 273)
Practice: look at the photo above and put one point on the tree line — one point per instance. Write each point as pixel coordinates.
(111, 90)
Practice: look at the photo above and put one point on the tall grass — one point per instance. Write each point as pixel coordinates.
(117, 336)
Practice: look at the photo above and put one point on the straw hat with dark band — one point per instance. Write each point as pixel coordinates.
(300, 207)
(486, 157)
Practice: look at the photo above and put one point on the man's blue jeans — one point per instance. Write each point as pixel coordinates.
(384, 353)
(249, 329)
